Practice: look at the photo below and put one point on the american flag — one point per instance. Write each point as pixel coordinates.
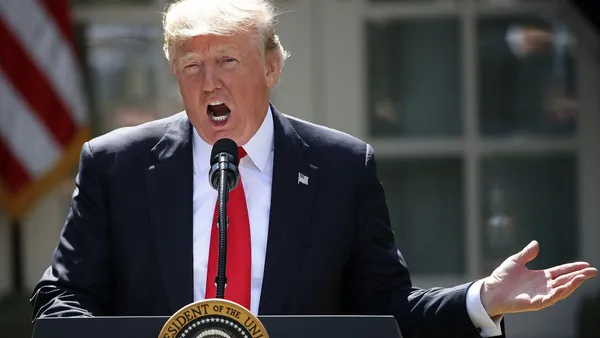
(43, 112)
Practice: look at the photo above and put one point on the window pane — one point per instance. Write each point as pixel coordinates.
(425, 200)
(122, 62)
(527, 77)
(525, 199)
(414, 78)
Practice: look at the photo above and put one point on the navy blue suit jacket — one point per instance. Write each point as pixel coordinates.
(126, 246)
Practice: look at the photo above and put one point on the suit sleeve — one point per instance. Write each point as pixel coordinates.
(77, 282)
(380, 281)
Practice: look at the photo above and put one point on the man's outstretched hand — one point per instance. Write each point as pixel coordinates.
(512, 287)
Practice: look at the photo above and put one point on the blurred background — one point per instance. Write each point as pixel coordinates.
(484, 115)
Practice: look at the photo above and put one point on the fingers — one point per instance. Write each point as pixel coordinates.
(560, 270)
(528, 253)
(562, 292)
(593, 273)
(572, 286)
(553, 297)
(564, 279)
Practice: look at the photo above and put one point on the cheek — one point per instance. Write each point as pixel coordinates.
(192, 98)
(250, 85)
(247, 76)
(189, 88)
(187, 82)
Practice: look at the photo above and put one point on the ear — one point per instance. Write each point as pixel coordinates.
(272, 68)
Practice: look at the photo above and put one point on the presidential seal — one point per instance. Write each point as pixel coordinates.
(213, 318)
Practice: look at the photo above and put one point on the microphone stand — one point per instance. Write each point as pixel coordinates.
(221, 279)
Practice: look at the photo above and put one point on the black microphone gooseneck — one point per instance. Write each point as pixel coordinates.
(223, 176)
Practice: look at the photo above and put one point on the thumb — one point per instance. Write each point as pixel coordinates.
(528, 253)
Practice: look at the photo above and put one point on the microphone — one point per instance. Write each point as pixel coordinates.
(224, 159)
(223, 176)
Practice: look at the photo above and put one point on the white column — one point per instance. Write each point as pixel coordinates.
(342, 72)
(294, 95)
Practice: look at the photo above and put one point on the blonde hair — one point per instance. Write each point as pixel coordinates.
(185, 19)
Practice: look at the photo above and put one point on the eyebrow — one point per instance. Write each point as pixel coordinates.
(189, 56)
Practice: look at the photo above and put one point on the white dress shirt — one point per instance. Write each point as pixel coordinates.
(256, 172)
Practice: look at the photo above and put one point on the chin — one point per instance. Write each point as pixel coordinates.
(217, 135)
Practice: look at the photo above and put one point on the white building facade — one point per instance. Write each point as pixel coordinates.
(476, 157)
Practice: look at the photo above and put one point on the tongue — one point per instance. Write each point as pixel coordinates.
(219, 110)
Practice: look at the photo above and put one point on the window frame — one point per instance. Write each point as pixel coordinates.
(126, 14)
(350, 114)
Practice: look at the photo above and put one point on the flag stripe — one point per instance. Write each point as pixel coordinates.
(32, 84)
(11, 170)
(24, 135)
(59, 11)
(43, 108)
(41, 38)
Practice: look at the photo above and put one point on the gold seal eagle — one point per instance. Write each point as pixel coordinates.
(213, 318)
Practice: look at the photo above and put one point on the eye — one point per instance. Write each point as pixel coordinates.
(191, 68)
(229, 60)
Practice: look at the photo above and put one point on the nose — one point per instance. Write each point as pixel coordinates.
(210, 78)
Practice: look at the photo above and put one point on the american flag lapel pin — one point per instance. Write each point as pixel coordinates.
(302, 179)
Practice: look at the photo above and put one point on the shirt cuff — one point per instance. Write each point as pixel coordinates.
(487, 326)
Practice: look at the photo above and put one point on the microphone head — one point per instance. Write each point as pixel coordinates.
(227, 146)
(224, 157)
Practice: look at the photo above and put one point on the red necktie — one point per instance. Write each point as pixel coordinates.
(238, 249)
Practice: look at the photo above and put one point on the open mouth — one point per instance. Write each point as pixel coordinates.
(218, 112)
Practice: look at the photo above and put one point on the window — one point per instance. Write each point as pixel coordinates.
(474, 130)
(526, 83)
(128, 76)
(121, 66)
(414, 78)
(527, 197)
(414, 188)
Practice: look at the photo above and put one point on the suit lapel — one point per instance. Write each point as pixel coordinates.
(293, 189)
(169, 183)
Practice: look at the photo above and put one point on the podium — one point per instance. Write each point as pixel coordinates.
(277, 327)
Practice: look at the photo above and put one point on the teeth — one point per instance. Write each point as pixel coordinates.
(215, 103)
(221, 118)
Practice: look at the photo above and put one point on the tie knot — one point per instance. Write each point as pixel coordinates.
(241, 152)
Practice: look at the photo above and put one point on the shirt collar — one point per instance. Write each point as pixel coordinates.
(258, 148)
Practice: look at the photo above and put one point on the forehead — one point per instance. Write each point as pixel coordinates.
(209, 45)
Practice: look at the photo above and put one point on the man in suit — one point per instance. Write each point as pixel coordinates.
(309, 230)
